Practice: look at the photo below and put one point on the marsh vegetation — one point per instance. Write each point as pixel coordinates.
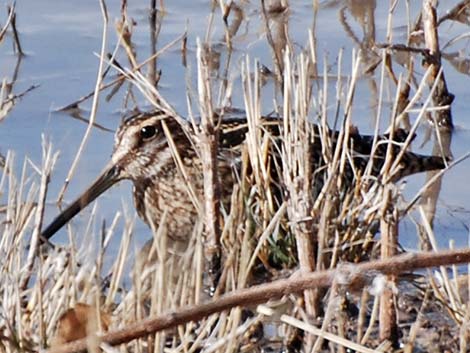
(321, 258)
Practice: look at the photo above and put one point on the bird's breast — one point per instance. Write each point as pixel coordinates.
(165, 201)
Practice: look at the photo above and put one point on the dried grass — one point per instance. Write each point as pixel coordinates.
(262, 236)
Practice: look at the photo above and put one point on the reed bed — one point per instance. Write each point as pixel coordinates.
(52, 294)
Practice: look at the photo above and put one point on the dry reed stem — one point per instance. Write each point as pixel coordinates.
(298, 174)
(265, 292)
(396, 164)
(417, 325)
(447, 292)
(155, 25)
(124, 29)
(49, 161)
(11, 13)
(331, 311)
(441, 96)
(16, 37)
(120, 79)
(431, 181)
(378, 115)
(118, 266)
(388, 329)
(242, 228)
(94, 106)
(305, 326)
(208, 138)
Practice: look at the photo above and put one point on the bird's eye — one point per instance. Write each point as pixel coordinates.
(148, 132)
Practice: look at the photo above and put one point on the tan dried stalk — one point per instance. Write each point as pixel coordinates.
(208, 138)
(11, 13)
(49, 161)
(94, 106)
(297, 171)
(441, 96)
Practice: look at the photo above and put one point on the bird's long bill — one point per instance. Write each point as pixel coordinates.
(109, 176)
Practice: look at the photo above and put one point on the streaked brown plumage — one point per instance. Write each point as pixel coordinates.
(143, 154)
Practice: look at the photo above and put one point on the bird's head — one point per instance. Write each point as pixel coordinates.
(141, 150)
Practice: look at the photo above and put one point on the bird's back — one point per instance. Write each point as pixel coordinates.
(175, 193)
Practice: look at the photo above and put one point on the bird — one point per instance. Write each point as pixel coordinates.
(157, 151)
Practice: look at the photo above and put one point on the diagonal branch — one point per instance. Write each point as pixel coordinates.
(360, 274)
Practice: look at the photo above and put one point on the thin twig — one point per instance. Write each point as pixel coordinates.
(433, 180)
(123, 77)
(15, 32)
(455, 11)
(305, 326)
(94, 107)
(265, 292)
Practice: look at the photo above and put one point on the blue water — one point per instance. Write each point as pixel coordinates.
(61, 37)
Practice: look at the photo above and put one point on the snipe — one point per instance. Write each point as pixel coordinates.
(144, 154)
